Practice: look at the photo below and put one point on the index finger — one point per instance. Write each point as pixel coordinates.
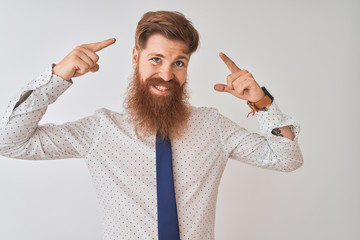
(229, 63)
(99, 45)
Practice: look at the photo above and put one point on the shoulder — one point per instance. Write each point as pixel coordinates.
(108, 112)
(204, 111)
(104, 114)
(204, 114)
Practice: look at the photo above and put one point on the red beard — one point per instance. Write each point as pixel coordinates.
(165, 115)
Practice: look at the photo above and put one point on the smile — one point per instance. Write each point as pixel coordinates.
(160, 90)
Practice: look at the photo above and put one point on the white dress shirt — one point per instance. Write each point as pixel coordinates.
(123, 167)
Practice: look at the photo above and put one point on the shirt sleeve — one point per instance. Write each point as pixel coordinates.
(264, 150)
(20, 135)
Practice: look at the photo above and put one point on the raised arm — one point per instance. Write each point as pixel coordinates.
(20, 135)
(242, 84)
(277, 147)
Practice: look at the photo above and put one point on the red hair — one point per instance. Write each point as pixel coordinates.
(172, 25)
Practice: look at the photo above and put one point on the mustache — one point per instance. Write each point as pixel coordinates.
(172, 84)
(166, 115)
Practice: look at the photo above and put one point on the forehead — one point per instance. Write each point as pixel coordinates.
(158, 44)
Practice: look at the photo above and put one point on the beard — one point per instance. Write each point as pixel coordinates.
(164, 115)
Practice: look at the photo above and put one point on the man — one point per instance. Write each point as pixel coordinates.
(126, 153)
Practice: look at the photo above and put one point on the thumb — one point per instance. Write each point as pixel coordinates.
(94, 68)
(221, 87)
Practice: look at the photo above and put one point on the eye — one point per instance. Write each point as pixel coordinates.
(155, 59)
(179, 64)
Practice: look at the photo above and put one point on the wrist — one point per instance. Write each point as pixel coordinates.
(58, 72)
(262, 104)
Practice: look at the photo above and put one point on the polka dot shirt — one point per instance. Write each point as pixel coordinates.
(122, 165)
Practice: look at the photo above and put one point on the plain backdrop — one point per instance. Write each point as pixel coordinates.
(306, 53)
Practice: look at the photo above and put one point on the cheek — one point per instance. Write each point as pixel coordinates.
(144, 72)
(181, 77)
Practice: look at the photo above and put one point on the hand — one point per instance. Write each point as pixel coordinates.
(240, 83)
(81, 60)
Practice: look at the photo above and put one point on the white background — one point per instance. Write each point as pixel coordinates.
(306, 53)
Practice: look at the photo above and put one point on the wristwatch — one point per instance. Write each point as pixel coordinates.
(262, 103)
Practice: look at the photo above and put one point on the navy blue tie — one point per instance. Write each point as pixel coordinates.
(168, 226)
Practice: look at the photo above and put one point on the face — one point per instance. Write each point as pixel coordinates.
(157, 100)
(164, 59)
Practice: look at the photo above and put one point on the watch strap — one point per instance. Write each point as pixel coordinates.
(262, 103)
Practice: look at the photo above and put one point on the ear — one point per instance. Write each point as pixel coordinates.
(135, 56)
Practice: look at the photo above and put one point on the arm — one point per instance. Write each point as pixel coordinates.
(242, 84)
(277, 148)
(263, 150)
(20, 135)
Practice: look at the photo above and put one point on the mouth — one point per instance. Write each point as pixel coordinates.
(160, 90)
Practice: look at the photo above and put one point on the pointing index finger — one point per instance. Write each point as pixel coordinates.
(229, 63)
(95, 47)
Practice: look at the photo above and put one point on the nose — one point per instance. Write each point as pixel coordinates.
(166, 73)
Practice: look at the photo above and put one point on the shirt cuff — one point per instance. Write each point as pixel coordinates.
(274, 118)
(46, 88)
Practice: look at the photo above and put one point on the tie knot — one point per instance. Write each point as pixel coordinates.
(160, 138)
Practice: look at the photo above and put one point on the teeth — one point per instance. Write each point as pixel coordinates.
(161, 88)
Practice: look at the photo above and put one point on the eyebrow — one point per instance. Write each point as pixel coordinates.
(162, 56)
